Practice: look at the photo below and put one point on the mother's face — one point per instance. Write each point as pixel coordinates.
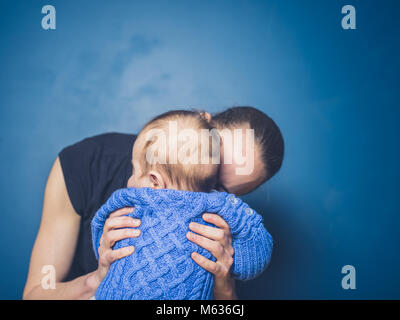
(232, 177)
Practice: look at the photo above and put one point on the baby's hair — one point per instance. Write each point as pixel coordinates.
(186, 176)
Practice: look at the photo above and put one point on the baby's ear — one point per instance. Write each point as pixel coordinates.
(156, 180)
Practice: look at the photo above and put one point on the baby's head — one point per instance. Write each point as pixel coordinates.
(176, 150)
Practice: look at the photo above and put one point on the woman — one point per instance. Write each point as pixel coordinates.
(85, 174)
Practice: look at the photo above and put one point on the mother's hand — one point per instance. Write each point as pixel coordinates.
(118, 226)
(219, 242)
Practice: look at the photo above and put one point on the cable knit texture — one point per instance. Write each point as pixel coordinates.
(161, 266)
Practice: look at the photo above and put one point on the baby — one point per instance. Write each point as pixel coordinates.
(171, 186)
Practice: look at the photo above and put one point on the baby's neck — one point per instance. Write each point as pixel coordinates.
(181, 188)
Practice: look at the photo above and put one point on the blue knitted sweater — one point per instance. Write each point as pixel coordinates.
(161, 266)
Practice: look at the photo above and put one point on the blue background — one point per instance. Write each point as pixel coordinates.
(111, 65)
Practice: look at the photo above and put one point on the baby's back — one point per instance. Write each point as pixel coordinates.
(161, 266)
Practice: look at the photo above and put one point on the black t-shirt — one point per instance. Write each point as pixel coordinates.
(93, 169)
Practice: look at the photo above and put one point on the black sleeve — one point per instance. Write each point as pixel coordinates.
(75, 163)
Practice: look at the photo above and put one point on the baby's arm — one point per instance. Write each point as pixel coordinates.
(251, 242)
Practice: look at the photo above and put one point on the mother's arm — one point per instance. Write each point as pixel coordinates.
(56, 242)
(219, 242)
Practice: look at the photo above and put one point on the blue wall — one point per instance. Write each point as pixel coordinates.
(111, 65)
